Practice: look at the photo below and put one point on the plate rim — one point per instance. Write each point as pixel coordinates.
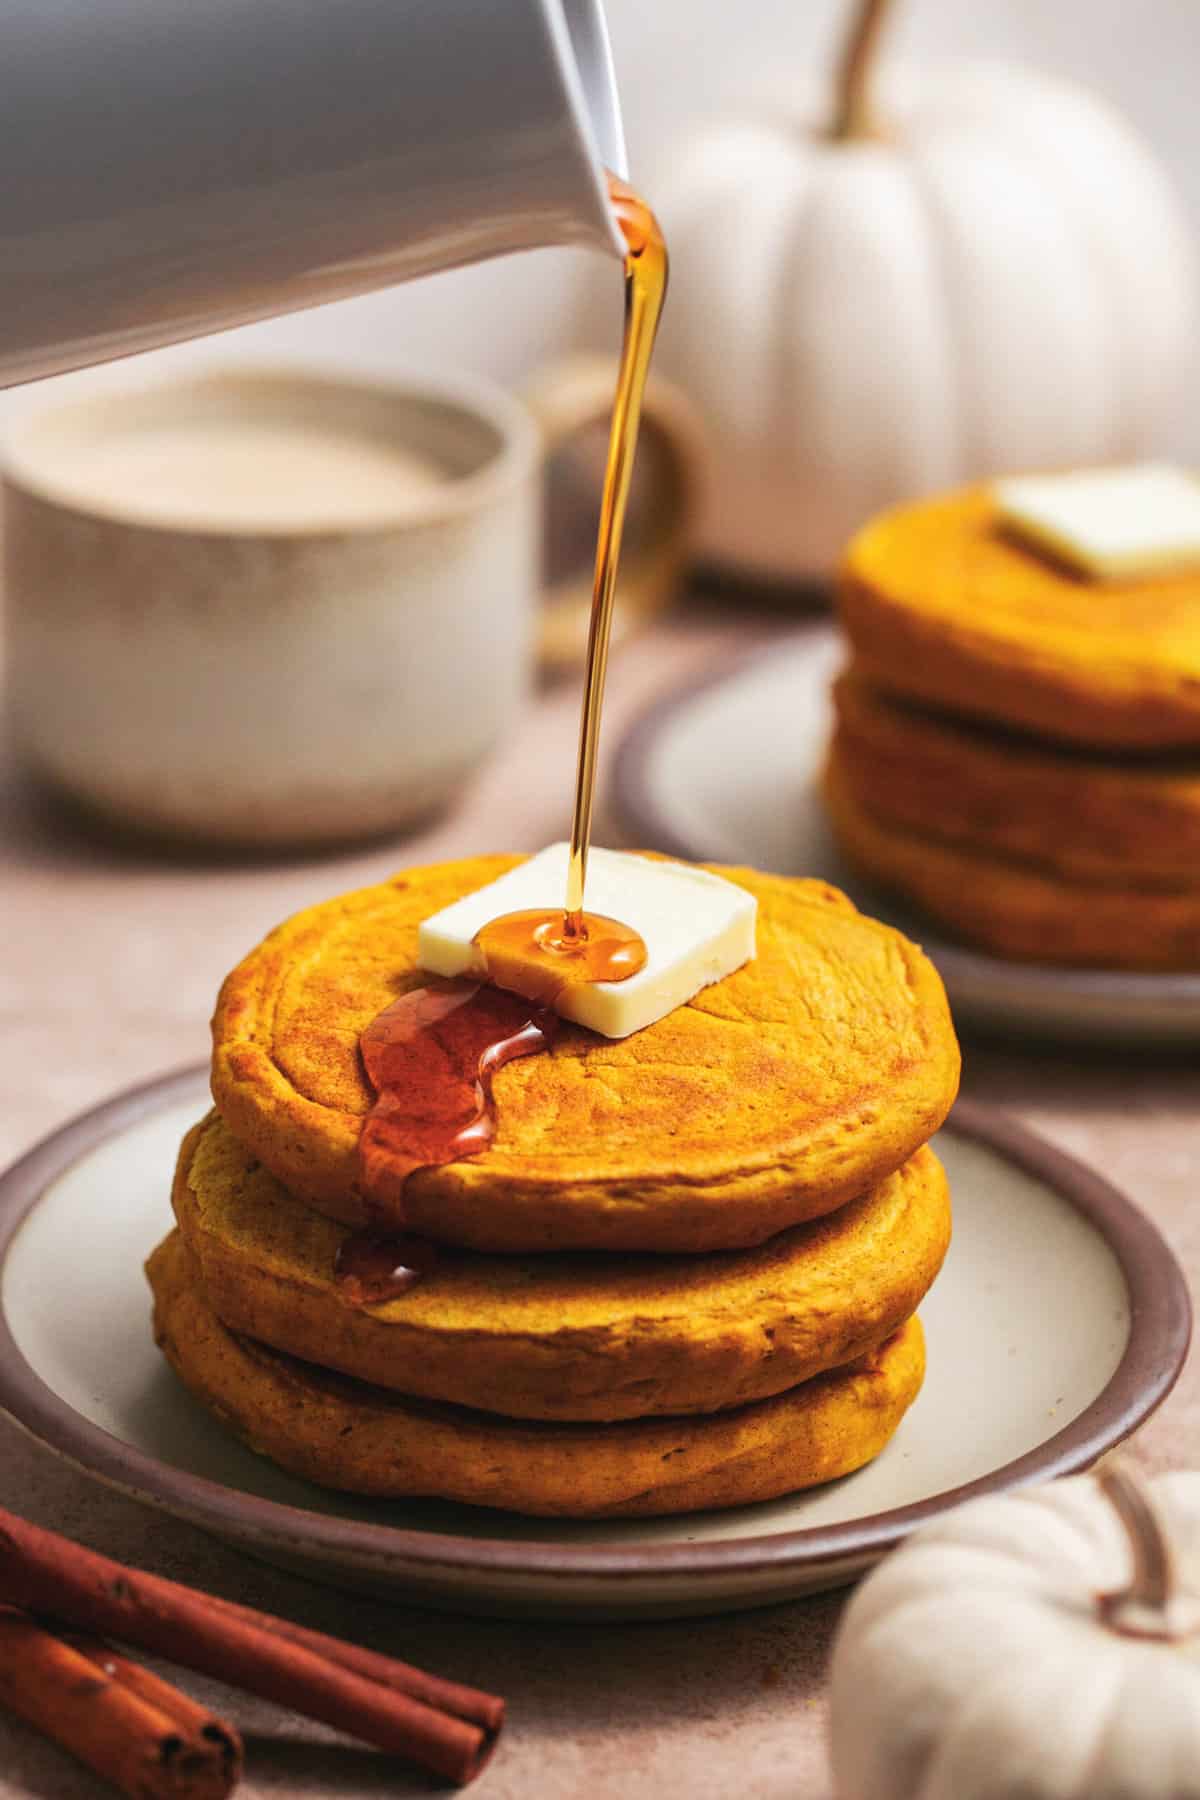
(645, 823)
(1154, 1355)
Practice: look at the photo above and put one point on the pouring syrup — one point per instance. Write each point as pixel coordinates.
(433, 1055)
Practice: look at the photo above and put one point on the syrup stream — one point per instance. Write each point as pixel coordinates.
(432, 1056)
(645, 292)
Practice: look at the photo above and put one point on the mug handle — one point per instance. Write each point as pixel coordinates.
(565, 399)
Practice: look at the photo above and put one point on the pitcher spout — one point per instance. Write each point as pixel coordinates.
(182, 169)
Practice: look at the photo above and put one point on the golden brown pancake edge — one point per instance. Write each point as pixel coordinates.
(354, 1438)
(1094, 819)
(576, 1337)
(1013, 911)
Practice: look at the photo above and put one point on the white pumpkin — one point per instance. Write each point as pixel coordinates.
(982, 272)
(1037, 1645)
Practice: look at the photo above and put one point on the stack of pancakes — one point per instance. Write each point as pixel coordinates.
(683, 1275)
(1017, 748)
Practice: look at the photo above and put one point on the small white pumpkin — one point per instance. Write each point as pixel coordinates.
(983, 272)
(1037, 1645)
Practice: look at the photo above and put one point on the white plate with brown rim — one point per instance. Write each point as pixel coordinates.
(726, 770)
(1031, 1375)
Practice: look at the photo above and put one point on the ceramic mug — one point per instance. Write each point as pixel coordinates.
(174, 169)
(273, 608)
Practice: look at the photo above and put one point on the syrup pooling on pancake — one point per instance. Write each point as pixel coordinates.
(431, 1057)
(533, 953)
(371, 1266)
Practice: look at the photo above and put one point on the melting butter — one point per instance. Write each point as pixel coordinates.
(1115, 524)
(697, 928)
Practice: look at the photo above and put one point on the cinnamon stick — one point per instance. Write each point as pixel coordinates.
(486, 1710)
(126, 1724)
(187, 1715)
(48, 1574)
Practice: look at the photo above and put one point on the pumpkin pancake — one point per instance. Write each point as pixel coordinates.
(566, 1337)
(345, 1434)
(942, 606)
(772, 1097)
(1091, 818)
(1015, 910)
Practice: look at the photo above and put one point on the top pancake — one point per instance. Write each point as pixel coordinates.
(772, 1097)
(941, 605)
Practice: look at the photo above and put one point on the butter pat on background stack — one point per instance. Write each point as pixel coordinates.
(697, 928)
(1110, 524)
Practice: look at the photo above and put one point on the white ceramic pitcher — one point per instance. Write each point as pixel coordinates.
(180, 166)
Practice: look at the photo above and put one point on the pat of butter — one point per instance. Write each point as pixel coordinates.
(696, 927)
(1112, 524)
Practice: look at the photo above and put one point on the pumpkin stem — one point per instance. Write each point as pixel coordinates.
(1151, 1606)
(852, 115)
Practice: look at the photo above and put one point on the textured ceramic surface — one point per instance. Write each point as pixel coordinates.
(326, 655)
(1029, 1374)
(726, 771)
(186, 193)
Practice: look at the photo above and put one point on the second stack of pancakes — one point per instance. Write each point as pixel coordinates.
(683, 1275)
(1017, 747)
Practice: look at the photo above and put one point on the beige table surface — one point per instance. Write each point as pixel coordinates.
(109, 965)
